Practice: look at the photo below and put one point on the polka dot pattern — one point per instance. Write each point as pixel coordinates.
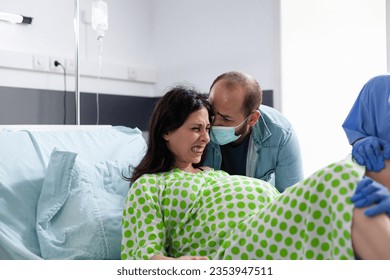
(310, 220)
(235, 217)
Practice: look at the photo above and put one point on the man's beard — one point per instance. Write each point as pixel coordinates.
(243, 131)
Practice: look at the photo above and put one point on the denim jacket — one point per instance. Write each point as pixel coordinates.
(273, 153)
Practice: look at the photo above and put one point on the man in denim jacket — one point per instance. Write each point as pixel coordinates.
(249, 139)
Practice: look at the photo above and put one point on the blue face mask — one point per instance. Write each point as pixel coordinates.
(223, 135)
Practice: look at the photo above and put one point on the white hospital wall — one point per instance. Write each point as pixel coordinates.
(196, 40)
(171, 41)
(329, 50)
(126, 45)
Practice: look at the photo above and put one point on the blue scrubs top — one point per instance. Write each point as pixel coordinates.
(370, 115)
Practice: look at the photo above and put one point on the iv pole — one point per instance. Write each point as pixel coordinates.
(77, 48)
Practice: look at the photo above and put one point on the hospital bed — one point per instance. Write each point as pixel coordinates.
(62, 190)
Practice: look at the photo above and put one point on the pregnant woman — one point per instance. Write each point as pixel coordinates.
(178, 209)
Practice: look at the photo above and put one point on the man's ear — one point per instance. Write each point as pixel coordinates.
(253, 118)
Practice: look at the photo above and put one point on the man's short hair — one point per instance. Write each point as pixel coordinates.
(253, 92)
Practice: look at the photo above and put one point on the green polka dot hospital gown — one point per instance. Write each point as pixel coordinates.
(213, 214)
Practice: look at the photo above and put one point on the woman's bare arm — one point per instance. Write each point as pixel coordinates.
(382, 176)
(371, 235)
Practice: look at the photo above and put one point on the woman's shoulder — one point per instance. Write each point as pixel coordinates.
(150, 178)
(146, 176)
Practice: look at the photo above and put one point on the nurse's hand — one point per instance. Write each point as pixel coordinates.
(371, 193)
(371, 152)
(383, 207)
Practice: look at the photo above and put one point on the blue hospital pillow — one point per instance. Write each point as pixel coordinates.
(80, 207)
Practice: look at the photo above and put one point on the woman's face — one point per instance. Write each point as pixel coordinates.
(188, 142)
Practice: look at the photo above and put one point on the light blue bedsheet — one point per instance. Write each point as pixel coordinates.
(24, 156)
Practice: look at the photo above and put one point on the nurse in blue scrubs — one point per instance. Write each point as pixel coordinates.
(368, 124)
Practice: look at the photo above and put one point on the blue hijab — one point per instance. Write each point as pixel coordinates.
(370, 115)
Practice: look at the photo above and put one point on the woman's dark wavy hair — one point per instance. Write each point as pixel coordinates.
(170, 113)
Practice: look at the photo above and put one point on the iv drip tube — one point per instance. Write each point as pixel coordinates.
(100, 25)
(100, 60)
(77, 48)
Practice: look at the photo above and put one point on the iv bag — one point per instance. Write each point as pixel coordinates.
(99, 17)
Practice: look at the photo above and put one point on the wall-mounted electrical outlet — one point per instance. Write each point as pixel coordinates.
(52, 65)
(40, 62)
